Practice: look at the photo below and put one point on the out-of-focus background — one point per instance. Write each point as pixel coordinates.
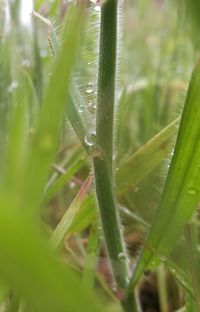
(157, 49)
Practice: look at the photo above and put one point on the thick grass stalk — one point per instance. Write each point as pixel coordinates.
(103, 158)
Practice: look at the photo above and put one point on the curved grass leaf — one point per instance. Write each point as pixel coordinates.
(142, 162)
(74, 100)
(147, 158)
(91, 259)
(30, 267)
(64, 226)
(62, 180)
(181, 194)
(86, 215)
(46, 136)
(179, 274)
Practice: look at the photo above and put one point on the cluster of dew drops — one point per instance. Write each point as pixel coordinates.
(97, 4)
(90, 137)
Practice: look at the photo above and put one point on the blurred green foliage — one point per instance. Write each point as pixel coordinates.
(48, 74)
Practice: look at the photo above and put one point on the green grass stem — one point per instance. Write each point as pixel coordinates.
(103, 160)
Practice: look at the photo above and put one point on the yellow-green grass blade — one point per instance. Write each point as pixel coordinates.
(16, 145)
(75, 99)
(62, 180)
(91, 258)
(45, 141)
(64, 226)
(181, 193)
(85, 216)
(31, 268)
(147, 158)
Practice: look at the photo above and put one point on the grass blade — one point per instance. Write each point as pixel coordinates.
(74, 97)
(30, 267)
(47, 130)
(91, 259)
(182, 189)
(63, 228)
(147, 158)
(62, 180)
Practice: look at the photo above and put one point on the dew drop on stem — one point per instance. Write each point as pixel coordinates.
(26, 64)
(91, 107)
(90, 139)
(121, 256)
(13, 86)
(97, 8)
(90, 87)
(95, 1)
(72, 184)
(80, 109)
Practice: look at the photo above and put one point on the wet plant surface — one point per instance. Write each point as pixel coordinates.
(99, 156)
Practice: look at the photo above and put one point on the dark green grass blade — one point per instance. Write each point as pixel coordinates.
(182, 189)
(194, 8)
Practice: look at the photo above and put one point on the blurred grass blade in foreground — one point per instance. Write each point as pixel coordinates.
(182, 189)
(46, 136)
(27, 263)
(32, 270)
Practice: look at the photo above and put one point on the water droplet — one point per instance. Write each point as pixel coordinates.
(89, 89)
(43, 53)
(122, 229)
(99, 227)
(72, 184)
(122, 256)
(90, 139)
(97, 8)
(80, 109)
(192, 191)
(117, 169)
(26, 63)
(114, 287)
(128, 280)
(91, 106)
(14, 85)
(101, 236)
